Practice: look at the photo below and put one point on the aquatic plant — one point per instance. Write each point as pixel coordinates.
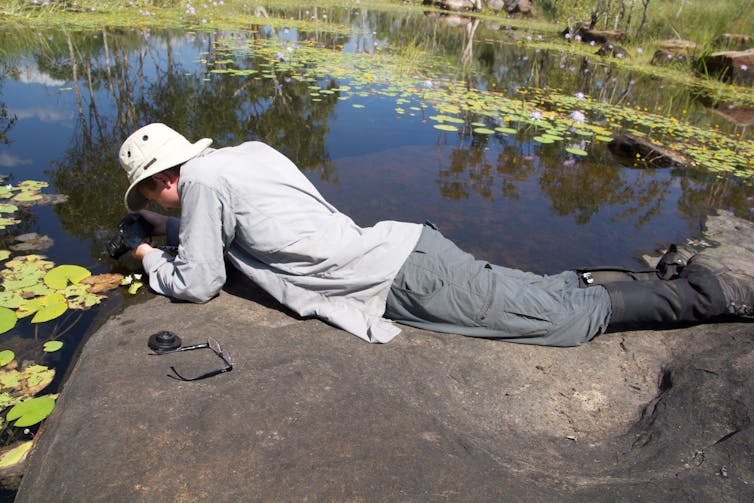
(543, 115)
(33, 286)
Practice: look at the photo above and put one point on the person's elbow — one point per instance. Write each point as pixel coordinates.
(199, 293)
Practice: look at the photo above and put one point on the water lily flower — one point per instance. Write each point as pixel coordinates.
(428, 84)
(580, 96)
(639, 50)
(744, 67)
(577, 38)
(578, 116)
(536, 115)
(568, 36)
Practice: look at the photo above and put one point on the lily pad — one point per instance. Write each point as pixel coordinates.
(6, 356)
(59, 276)
(576, 151)
(7, 319)
(15, 454)
(135, 286)
(32, 411)
(51, 346)
(445, 127)
(45, 308)
(102, 282)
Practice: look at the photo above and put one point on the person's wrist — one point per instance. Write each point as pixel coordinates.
(141, 250)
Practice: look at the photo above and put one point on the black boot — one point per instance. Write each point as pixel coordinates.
(692, 299)
(737, 286)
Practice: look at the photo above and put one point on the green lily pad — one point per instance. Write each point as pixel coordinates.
(31, 411)
(445, 127)
(59, 276)
(6, 356)
(45, 308)
(8, 319)
(4, 254)
(8, 208)
(505, 130)
(483, 130)
(51, 346)
(15, 455)
(576, 151)
(27, 196)
(543, 139)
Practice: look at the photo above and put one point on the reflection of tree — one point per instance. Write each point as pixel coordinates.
(120, 85)
(6, 122)
(702, 191)
(582, 188)
(469, 171)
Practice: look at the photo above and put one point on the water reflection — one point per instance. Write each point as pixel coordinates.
(119, 80)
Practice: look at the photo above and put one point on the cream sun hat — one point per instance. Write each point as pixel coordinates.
(151, 149)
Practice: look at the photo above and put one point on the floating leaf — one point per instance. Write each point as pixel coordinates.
(445, 127)
(79, 297)
(102, 282)
(8, 208)
(505, 130)
(26, 197)
(135, 286)
(15, 454)
(483, 130)
(59, 276)
(32, 241)
(45, 308)
(576, 151)
(6, 356)
(4, 254)
(543, 139)
(7, 319)
(32, 411)
(32, 185)
(12, 299)
(51, 346)
(36, 378)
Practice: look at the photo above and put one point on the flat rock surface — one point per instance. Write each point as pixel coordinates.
(312, 413)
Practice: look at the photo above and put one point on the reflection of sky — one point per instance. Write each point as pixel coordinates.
(29, 74)
(369, 147)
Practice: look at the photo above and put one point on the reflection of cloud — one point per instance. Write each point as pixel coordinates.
(31, 75)
(9, 161)
(45, 114)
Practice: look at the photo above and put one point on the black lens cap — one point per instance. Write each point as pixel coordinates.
(163, 341)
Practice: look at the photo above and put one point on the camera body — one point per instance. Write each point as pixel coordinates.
(133, 230)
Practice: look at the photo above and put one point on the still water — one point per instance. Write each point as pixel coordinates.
(360, 128)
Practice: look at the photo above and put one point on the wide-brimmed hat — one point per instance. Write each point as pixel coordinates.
(151, 149)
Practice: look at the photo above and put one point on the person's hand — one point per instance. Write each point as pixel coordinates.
(141, 251)
(158, 221)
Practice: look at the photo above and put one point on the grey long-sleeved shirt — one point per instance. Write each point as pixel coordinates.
(252, 205)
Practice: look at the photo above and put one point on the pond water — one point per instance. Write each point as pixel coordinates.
(355, 98)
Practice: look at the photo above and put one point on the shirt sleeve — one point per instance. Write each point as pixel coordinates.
(197, 272)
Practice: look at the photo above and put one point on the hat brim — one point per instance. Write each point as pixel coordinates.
(133, 199)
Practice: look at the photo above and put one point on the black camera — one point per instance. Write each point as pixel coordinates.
(132, 231)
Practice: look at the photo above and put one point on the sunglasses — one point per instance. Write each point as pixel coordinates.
(213, 346)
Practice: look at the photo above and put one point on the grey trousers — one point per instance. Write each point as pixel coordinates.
(442, 288)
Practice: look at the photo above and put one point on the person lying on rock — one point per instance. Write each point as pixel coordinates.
(250, 205)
